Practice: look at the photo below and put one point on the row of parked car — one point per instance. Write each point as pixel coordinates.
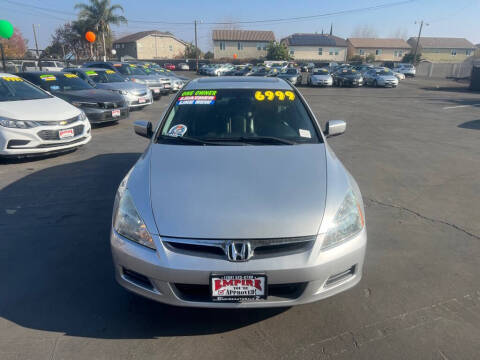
(332, 75)
(52, 111)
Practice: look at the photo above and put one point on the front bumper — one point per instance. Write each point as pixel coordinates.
(314, 82)
(42, 139)
(134, 101)
(99, 115)
(160, 275)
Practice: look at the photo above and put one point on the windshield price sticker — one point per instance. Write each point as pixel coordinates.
(48, 77)
(70, 75)
(305, 133)
(110, 72)
(91, 73)
(11, 78)
(197, 97)
(271, 95)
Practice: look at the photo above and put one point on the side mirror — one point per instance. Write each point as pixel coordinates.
(143, 128)
(335, 127)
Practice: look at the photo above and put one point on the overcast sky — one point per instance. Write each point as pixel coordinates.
(446, 18)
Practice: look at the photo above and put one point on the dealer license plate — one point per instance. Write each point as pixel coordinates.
(116, 113)
(141, 100)
(156, 91)
(65, 134)
(166, 86)
(238, 287)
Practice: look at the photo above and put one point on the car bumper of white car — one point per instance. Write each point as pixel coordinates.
(328, 82)
(179, 277)
(42, 139)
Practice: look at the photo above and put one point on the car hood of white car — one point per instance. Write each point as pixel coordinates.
(321, 77)
(234, 192)
(53, 109)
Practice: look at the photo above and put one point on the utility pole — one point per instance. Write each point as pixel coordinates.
(104, 47)
(36, 42)
(196, 46)
(414, 60)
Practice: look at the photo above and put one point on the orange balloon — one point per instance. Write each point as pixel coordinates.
(90, 36)
(234, 56)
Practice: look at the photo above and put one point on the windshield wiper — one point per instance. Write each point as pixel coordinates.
(188, 139)
(256, 139)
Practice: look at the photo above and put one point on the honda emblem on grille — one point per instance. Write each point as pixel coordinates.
(238, 250)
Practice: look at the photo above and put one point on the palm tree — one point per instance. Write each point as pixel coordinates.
(102, 14)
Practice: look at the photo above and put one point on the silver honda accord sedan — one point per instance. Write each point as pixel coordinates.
(238, 202)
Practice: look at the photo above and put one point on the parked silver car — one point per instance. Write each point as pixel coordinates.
(238, 202)
(136, 95)
(320, 77)
(380, 77)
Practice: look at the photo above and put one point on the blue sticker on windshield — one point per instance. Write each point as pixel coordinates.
(177, 130)
(54, 87)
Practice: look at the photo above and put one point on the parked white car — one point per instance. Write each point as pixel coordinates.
(183, 66)
(33, 121)
(320, 77)
(220, 69)
(49, 66)
(406, 69)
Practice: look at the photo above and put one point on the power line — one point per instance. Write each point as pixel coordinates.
(266, 21)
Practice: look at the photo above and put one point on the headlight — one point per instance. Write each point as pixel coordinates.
(138, 81)
(127, 222)
(82, 116)
(347, 222)
(18, 124)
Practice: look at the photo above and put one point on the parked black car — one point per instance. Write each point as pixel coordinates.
(99, 105)
(347, 77)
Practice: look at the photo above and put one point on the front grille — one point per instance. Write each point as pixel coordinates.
(109, 105)
(139, 92)
(60, 122)
(278, 292)
(42, 146)
(262, 248)
(53, 134)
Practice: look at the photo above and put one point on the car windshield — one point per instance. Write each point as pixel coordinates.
(349, 72)
(290, 72)
(104, 76)
(320, 72)
(61, 82)
(130, 69)
(238, 116)
(384, 72)
(13, 88)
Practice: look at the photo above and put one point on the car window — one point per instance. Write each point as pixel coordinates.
(60, 82)
(48, 63)
(104, 76)
(232, 113)
(14, 88)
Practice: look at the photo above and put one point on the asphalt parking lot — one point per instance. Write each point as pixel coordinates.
(415, 154)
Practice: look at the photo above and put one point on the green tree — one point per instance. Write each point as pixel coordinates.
(191, 52)
(408, 58)
(370, 58)
(101, 14)
(208, 55)
(277, 51)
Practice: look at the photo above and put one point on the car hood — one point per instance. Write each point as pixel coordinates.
(54, 109)
(234, 192)
(351, 76)
(90, 95)
(287, 75)
(388, 77)
(127, 85)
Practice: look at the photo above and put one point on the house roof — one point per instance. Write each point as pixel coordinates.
(379, 43)
(314, 40)
(243, 35)
(142, 34)
(442, 43)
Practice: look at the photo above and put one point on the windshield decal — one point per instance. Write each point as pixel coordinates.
(68, 75)
(11, 78)
(110, 72)
(48, 77)
(54, 87)
(177, 130)
(305, 133)
(270, 95)
(91, 73)
(197, 97)
(117, 65)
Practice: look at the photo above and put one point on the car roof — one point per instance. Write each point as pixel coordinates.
(87, 69)
(236, 82)
(6, 75)
(42, 72)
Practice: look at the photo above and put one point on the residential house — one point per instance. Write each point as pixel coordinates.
(150, 45)
(241, 44)
(382, 49)
(437, 49)
(316, 47)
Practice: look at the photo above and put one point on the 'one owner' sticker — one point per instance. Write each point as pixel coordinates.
(197, 97)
